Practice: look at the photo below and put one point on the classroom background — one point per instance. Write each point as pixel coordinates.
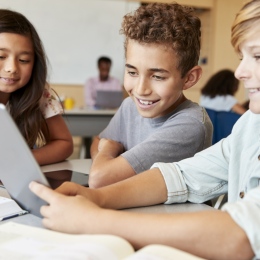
(76, 33)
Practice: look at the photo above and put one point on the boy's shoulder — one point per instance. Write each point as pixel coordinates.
(248, 121)
(190, 108)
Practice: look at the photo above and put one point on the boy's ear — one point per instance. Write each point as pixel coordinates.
(192, 77)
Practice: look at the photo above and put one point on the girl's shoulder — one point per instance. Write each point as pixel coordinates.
(49, 104)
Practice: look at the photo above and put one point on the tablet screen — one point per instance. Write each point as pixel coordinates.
(56, 178)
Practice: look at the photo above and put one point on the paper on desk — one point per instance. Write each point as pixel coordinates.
(9, 207)
(36, 243)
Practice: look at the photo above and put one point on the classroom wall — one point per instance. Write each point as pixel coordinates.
(216, 45)
(76, 33)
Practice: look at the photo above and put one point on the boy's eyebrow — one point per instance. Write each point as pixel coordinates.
(159, 70)
(152, 69)
(129, 66)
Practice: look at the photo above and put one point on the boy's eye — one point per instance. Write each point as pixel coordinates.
(158, 77)
(132, 73)
(257, 57)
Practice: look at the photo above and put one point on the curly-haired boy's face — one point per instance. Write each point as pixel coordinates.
(249, 70)
(151, 78)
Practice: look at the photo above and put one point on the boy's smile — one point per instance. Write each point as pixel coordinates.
(152, 79)
(249, 70)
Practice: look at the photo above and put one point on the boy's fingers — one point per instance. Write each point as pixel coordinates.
(42, 191)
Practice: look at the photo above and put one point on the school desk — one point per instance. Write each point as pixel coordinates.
(83, 166)
(86, 123)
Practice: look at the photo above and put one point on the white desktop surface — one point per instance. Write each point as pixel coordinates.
(78, 165)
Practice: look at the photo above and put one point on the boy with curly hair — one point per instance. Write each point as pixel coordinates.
(156, 122)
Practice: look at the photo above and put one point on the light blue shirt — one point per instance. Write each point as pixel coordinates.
(231, 166)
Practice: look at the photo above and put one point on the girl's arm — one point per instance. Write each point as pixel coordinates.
(60, 146)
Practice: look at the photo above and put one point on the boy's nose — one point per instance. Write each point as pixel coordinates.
(242, 72)
(143, 87)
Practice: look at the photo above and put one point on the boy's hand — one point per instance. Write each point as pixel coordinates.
(66, 213)
(74, 189)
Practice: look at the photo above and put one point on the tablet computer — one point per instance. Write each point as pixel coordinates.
(19, 167)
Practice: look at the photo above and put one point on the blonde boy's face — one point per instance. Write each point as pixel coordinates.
(151, 78)
(249, 70)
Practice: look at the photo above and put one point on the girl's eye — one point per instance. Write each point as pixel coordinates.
(24, 61)
(2, 57)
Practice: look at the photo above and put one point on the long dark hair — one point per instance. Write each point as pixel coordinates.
(222, 83)
(24, 102)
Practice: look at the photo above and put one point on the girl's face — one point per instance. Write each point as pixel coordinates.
(16, 63)
(152, 79)
(249, 70)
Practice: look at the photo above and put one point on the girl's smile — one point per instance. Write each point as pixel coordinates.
(16, 62)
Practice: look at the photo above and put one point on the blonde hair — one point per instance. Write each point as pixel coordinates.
(246, 18)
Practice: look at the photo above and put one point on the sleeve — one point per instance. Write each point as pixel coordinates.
(49, 104)
(196, 179)
(246, 214)
(113, 129)
(173, 141)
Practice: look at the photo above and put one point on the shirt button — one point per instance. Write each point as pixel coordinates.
(259, 157)
(241, 194)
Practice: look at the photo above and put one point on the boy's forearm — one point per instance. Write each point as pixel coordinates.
(147, 188)
(209, 234)
(94, 147)
(106, 170)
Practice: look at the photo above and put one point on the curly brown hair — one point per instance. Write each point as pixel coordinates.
(169, 24)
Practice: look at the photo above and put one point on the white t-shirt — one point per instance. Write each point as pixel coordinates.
(218, 103)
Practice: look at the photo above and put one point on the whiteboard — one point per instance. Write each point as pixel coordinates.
(75, 33)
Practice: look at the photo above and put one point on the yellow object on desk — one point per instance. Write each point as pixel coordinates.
(69, 103)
